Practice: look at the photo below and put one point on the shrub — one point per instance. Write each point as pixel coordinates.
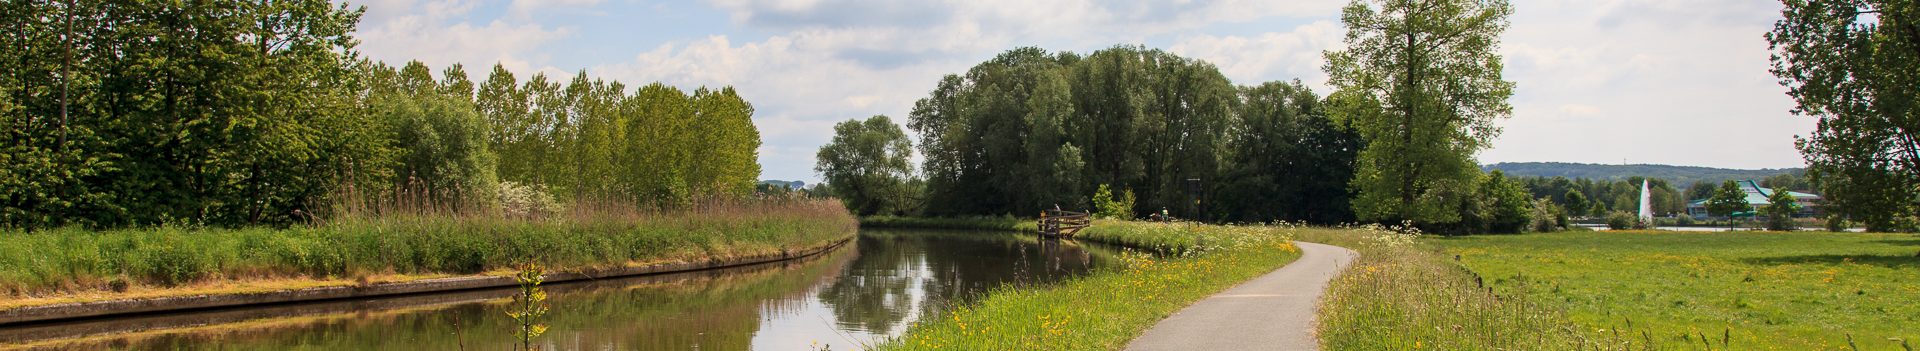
(1621, 220)
(1683, 220)
(1547, 216)
(526, 201)
(1106, 206)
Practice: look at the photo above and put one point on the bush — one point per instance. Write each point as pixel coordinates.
(1547, 216)
(526, 201)
(1621, 220)
(1106, 206)
(1836, 223)
(1683, 220)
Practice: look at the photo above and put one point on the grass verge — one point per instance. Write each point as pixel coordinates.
(69, 262)
(1787, 291)
(1105, 309)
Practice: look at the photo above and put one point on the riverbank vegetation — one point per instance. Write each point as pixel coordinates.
(59, 262)
(959, 223)
(1106, 309)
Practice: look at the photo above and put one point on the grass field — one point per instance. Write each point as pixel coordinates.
(1766, 291)
(1104, 310)
(54, 264)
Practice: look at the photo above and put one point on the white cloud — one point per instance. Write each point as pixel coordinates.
(439, 33)
(1296, 54)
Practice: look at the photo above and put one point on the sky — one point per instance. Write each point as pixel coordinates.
(1598, 81)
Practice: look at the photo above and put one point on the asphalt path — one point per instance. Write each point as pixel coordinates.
(1272, 312)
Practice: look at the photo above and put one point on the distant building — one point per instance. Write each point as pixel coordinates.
(1757, 198)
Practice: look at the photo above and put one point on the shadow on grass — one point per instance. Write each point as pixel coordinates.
(1895, 262)
(1900, 242)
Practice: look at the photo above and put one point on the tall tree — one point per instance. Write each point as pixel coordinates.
(1421, 82)
(867, 164)
(1728, 201)
(1288, 160)
(1855, 66)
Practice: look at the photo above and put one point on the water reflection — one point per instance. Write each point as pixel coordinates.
(855, 295)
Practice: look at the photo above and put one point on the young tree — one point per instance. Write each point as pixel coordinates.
(1728, 201)
(1421, 82)
(1779, 210)
(1577, 203)
(1855, 66)
(867, 164)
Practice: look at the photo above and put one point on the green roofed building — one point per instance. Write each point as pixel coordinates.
(1757, 197)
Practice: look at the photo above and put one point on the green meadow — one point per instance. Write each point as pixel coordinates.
(1766, 291)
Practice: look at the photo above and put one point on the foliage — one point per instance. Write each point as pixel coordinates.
(150, 112)
(590, 235)
(1289, 161)
(1029, 129)
(1004, 224)
(530, 305)
(1623, 220)
(1546, 216)
(867, 163)
(1421, 83)
(1855, 66)
(1109, 307)
(1678, 175)
(1789, 291)
(1577, 203)
(1105, 205)
(1728, 200)
(231, 113)
(1780, 210)
(441, 148)
(526, 201)
(1601, 196)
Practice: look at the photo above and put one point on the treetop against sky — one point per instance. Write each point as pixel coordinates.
(1597, 81)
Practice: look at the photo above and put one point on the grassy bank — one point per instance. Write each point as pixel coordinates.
(1788, 291)
(1402, 294)
(68, 262)
(1104, 310)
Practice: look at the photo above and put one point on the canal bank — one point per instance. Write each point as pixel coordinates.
(862, 293)
(116, 307)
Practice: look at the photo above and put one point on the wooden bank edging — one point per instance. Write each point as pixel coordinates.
(77, 310)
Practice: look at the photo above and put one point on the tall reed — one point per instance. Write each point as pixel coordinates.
(411, 241)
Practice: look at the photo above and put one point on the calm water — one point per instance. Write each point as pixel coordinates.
(857, 294)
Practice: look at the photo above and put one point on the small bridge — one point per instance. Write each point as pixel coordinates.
(1062, 224)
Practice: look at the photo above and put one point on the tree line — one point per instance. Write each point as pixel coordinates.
(1031, 130)
(1416, 92)
(261, 112)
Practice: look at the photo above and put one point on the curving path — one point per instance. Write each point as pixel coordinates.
(1272, 312)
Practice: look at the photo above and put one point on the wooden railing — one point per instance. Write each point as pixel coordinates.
(1063, 224)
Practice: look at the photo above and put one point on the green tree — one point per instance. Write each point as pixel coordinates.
(1577, 203)
(867, 164)
(442, 147)
(1421, 82)
(1728, 201)
(1780, 210)
(1855, 66)
(1288, 160)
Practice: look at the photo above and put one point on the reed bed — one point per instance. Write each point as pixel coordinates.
(73, 260)
(1106, 309)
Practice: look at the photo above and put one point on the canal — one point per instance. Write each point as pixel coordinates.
(858, 294)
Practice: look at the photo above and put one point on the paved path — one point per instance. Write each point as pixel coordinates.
(1272, 312)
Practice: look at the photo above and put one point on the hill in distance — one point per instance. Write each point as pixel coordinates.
(1679, 176)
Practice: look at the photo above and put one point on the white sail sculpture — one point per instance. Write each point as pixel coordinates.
(1646, 203)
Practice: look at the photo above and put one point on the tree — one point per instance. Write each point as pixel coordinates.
(1780, 210)
(1421, 82)
(1728, 201)
(1576, 203)
(867, 164)
(1288, 160)
(1855, 66)
(442, 149)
